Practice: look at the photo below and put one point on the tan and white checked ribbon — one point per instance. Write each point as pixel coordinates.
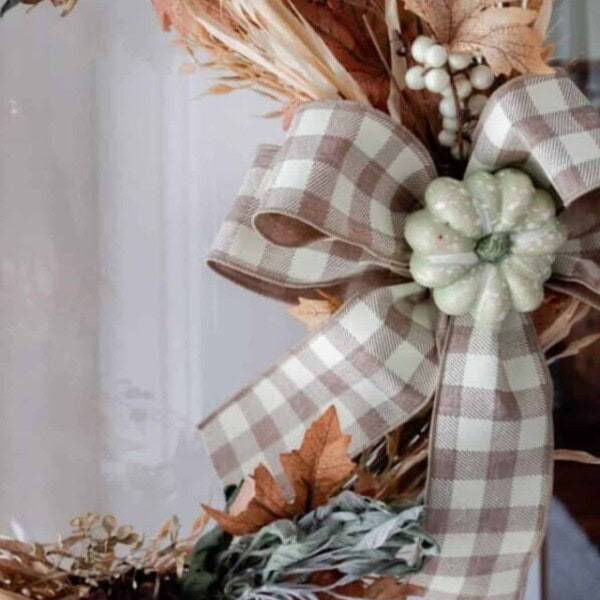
(327, 210)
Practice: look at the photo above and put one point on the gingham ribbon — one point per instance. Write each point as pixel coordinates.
(327, 210)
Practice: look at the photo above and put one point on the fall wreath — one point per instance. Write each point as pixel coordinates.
(421, 220)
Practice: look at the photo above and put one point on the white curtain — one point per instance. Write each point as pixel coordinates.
(115, 338)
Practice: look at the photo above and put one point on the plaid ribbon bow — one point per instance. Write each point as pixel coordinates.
(327, 209)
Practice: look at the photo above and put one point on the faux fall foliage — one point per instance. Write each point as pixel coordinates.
(298, 51)
(504, 35)
(314, 544)
(315, 473)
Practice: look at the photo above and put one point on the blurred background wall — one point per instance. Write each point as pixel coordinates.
(115, 339)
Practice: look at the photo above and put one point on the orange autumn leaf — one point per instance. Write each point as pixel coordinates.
(312, 312)
(316, 471)
(505, 36)
(321, 465)
(366, 484)
(267, 505)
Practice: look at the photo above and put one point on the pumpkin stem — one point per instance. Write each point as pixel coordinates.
(493, 247)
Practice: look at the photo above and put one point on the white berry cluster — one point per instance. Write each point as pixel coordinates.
(457, 77)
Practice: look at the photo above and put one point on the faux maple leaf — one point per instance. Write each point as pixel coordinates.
(321, 465)
(316, 472)
(505, 36)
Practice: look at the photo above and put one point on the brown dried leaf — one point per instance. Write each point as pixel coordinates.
(341, 26)
(555, 318)
(366, 484)
(315, 472)
(321, 465)
(328, 579)
(268, 504)
(6, 595)
(578, 456)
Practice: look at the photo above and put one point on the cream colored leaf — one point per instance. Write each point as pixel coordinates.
(575, 347)
(199, 523)
(544, 18)
(219, 89)
(578, 456)
(510, 38)
(446, 16)
(188, 68)
(506, 39)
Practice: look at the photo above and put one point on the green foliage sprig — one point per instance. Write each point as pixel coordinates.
(354, 536)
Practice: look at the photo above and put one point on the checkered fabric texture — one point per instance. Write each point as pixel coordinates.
(489, 477)
(328, 206)
(327, 209)
(376, 362)
(546, 125)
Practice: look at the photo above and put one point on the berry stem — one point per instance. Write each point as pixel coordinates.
(459, 115)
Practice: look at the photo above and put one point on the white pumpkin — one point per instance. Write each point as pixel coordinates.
(485, 244)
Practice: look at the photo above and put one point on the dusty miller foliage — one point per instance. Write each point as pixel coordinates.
(355, 536)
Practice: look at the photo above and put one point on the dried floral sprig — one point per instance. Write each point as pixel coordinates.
(266, 43)
(98, 555)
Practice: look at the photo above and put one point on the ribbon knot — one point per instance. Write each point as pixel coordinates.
(327, 210)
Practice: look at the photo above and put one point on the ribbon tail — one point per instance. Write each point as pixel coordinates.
(490, 474)
(375, 360)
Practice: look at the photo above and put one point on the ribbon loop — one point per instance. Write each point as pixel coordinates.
(546, 125)
(376, 362)
(326, 207)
